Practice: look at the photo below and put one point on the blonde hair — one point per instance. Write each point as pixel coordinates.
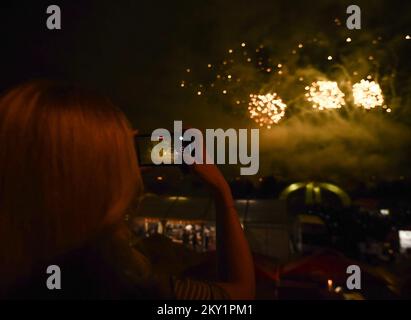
(67, 168)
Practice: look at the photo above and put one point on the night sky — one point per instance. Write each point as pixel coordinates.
(137, 52)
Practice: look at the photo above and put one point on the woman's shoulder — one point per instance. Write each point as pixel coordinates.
(118, 249)
(111, 267)
(107, 266)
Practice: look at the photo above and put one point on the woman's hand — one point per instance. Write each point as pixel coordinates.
(210, 174)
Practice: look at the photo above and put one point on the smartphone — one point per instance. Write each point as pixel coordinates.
(144, 146)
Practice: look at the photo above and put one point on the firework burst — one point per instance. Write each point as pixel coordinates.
(325, 95)
(367, 94)
(267, 109)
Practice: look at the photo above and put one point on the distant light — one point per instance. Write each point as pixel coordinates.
(180, 198)
(268, 69)
(385, 212)
(188, 70)
(229, 76)
(248, 59)
(243, 44)
(224, 91)
(244, 201)
(338, 290)
(230, 50)
(348, 39)
(182, 84)
(209, 65)
(371, 58)
(389, 110)
(199, 93)
(159, 178)
(330, 284)
(407, 37)
(300, 45)
(237, 102)
(329, 57)
(405, 239)
(280, 72)
(279, 65)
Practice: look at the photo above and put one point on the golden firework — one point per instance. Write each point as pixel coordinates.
(267, 109)
(325, 95)
(367, 94)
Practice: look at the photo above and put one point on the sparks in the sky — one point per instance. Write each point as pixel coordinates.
(267, 109)
(325, 95)
(367, 94)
